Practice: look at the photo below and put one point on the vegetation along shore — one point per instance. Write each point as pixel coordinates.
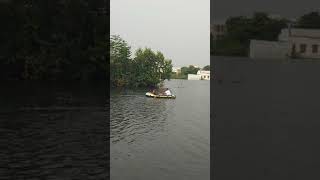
(146, 68)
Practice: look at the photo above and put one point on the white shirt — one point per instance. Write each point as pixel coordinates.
(168, 93)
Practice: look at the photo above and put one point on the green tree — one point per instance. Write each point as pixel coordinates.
(53, 40)
(167, 69)
(120, 61)
(189, 70)
(260, 27)
(310, 20)
(147, 72)
(193, 70)
(164, 66)
(145, 69)
(241, 29)
(206, 68)
(151, 68)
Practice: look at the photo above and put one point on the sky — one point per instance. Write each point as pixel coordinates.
(221, 9)
(180, 29)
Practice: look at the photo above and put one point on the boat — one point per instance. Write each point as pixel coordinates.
(149, 94)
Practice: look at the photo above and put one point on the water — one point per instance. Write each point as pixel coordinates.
(266, 119)
(161, 138)
(53, 131)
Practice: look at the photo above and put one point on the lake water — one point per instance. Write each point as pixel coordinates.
(265, 119)
(161, 138)
(53, 131)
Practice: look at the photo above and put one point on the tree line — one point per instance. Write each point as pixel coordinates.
(146, 68)
(260, 26)
(189, 70)
(54, 40)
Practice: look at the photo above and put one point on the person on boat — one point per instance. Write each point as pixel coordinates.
(154, 91)
(168, 92)
(161, 91)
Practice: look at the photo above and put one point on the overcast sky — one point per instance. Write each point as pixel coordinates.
(221, 9)
(180, 29)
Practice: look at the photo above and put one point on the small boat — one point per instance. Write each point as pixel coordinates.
(149, 94)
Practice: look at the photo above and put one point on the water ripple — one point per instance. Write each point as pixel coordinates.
(57, 140)
(161, 138)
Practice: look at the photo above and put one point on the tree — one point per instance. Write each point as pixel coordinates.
(151, 68)
(310, 20)
(260, 27)
(241, 29)
(147, 71)
(193, 70)
(167, 69)
(119, 61)
(189, 70)
(206, 68)
(53, 40)
(146, 68)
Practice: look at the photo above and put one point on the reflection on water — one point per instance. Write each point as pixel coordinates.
(161, 138)
(53, 132)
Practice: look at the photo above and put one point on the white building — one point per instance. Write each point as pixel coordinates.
(295, 43)
(204, 75)
(260, 49)
(201, 75)
(194, 77)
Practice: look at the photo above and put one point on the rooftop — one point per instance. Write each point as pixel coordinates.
(299, 32)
